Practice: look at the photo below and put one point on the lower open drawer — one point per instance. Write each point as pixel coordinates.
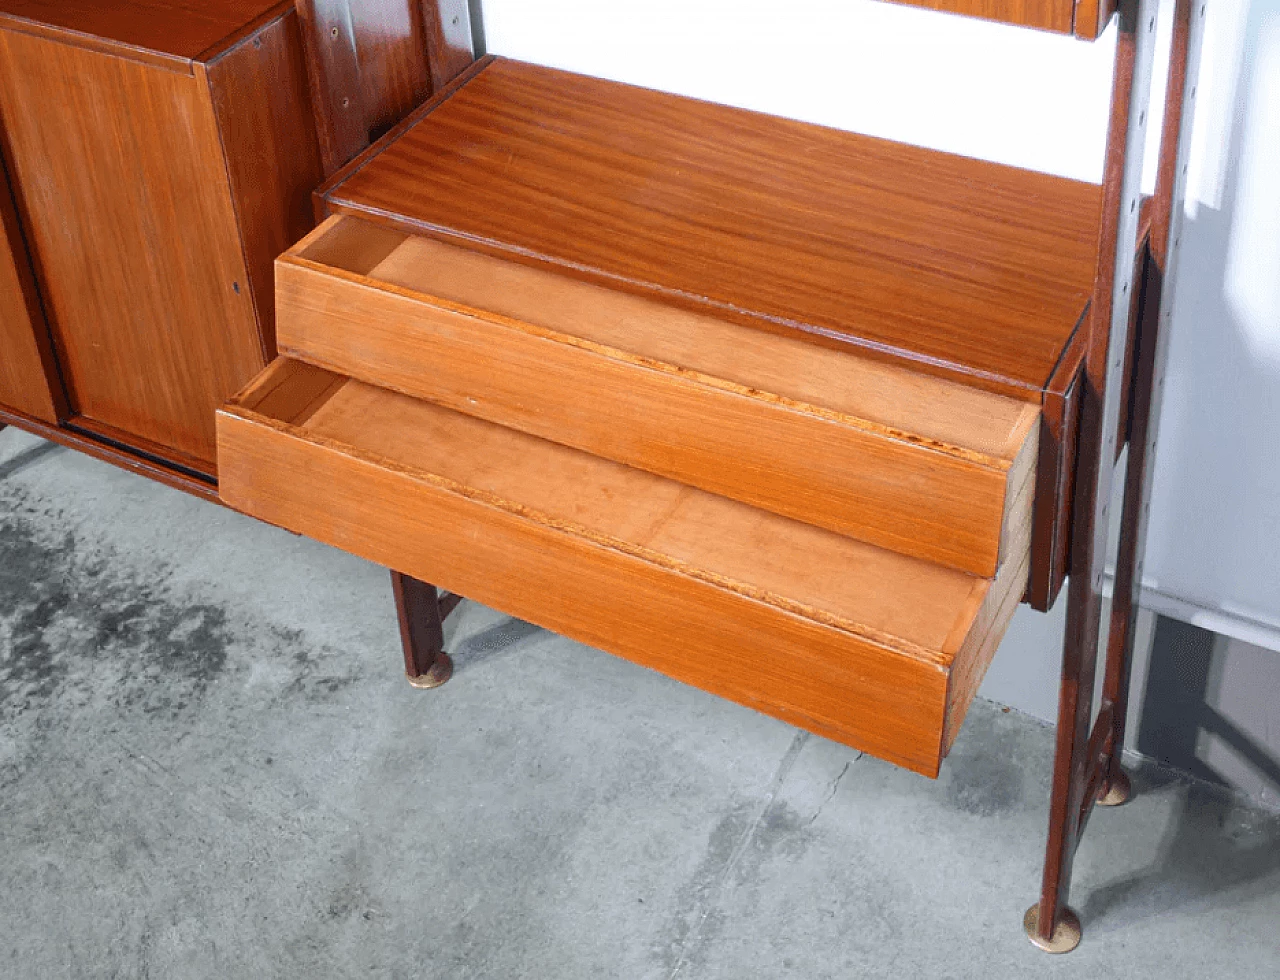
(875, 649)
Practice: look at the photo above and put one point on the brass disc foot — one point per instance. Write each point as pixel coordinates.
(440, 672)
(1118, 790)
(1066, 934)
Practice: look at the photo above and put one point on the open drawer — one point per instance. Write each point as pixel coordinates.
(875, 649)
(918, 464)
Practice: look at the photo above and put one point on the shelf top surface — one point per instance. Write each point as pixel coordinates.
(179, 28)
(967, 268)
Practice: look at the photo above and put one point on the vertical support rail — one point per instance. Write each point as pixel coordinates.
(1087, 766)
(1158, 261)
(422, 612)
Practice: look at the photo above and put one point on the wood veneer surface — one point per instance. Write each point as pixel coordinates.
(913, 463)
(846, 639)
(268, 133)
(969, 268)
(27, 373)
(134, 235)
(843, 579)
(181, 28)
(1049, 15)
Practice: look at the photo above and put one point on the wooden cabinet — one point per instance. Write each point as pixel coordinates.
(758, 404)
(155, 190)
(161, 154)
(943, 266)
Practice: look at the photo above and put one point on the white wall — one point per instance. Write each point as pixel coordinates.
(1021, 97)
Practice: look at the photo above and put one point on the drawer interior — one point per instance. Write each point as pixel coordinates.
(418, 486)
(864, 447)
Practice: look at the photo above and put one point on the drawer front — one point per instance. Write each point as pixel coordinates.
(730, 409)
(893, 696)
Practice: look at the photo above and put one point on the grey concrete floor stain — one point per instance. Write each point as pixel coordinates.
(72, 617)
(205, 771)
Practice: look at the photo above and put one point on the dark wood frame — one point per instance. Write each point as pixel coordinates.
(1119, 402)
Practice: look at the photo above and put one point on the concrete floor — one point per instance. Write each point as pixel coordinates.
(210, 766)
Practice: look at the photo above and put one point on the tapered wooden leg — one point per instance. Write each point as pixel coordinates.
(418, 606)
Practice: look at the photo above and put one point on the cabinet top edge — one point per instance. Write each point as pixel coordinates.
(168, 34)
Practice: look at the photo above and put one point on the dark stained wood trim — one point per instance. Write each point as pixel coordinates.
(24, 266)
(325, 190)
(450, 47)
(116, 454)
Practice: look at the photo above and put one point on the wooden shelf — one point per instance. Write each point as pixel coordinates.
(964, 268)
(944, 265)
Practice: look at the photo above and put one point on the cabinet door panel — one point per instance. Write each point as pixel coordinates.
(27, 379)
(134, 238)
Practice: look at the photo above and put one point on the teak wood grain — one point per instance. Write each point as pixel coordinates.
(28, 375)
(857, 643)
(974, 270)
(912, 463)
(183, 30)
(262, 106)
(1048, 15)
(372, 61)
(368, 63)
(134, 236)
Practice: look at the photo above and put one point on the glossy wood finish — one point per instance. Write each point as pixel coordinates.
(134, 235)
(173, 31)
(1093, 16)
(155, 206)
(1084, 18)
(1170, 127)
(920, 465)
(1087, 762)
(965, 268)
(421, 613)
(1055, 478)
(450, 48)
(857, 643)
(372, 61)
(1048, 15)
(260, 101)
(28, 376)
(368, 61)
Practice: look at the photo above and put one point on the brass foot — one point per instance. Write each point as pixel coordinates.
(1117, 791)
(440, 672)
(1066, 934)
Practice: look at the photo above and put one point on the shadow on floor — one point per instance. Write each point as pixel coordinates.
(1215, 851)
(1214, 847)
(495, 640)
(27, 457)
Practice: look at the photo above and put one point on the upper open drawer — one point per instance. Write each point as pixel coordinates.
(917, 464)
